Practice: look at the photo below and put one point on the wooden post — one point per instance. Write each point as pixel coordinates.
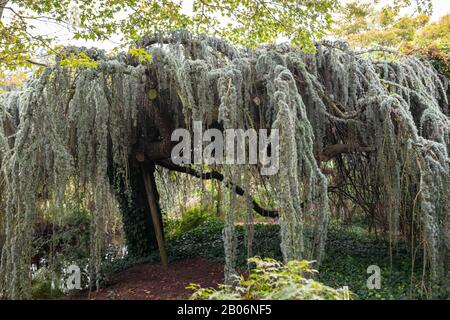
(148, 178)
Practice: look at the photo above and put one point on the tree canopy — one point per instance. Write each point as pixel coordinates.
(243, 22)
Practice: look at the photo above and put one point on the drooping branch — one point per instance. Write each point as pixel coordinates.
(377, 49)
(398, 108)
(336, 109)
(217, 176)
(39, 64)
(343, 46)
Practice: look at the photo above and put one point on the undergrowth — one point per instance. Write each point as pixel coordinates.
(273, 280)
(350, 251)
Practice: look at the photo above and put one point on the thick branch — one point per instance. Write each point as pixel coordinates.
(217, 176)
(332, 151)
(377, 49)
(39, 64)
(337, 109)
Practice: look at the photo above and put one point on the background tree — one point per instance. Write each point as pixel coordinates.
(433, 43)
(245, 22)
(367, 24)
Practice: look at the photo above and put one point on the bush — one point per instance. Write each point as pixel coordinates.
(56, 246)
(68, 241)
(272, 280)
(44, 286)
(191, 219)
(437, 54)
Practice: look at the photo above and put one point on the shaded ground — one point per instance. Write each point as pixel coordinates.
(152, 282)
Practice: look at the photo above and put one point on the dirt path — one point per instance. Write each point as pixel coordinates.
(152, 282)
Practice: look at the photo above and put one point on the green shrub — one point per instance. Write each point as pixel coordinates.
(75, 236)
(272, 280)
(56, 246)
(68, 240)
(191, 219)
(44, 286)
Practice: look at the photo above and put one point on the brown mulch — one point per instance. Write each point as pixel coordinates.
(153, 282)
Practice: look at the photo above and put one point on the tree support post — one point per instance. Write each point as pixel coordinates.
(149, 179)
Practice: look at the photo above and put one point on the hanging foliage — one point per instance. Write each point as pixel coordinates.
(383, 127)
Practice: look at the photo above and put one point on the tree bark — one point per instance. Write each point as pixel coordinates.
(152, 198)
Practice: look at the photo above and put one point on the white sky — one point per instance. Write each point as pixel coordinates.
(63, 35)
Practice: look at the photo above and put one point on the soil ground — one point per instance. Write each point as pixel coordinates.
(153, 282)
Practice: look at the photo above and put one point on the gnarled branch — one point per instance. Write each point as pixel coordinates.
(332, 151)
(216, 176)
